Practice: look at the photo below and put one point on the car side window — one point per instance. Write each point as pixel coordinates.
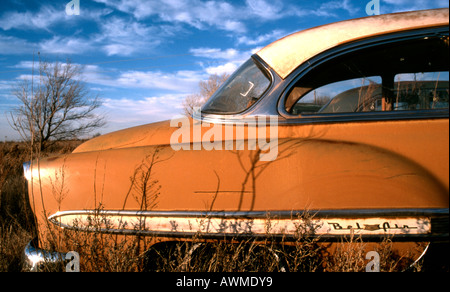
(420, 91)
(346, 96)
(402, 76)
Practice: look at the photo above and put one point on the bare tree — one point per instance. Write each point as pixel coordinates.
(57, 106)
(206, 90)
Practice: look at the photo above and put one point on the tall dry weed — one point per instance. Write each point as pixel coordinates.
(13, 239)
(17, 225)
(102, 251)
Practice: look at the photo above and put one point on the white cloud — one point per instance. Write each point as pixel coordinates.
(230, 55)
(28, 20)
(126, 112)
(262, 39)
(46, 17)
(117, 28)
(216, 53)
(265, 10)
(329, 9)
(234, 58)
(227, 68)
(10, 45)
(116, 37)
(332, 8)
(344, 5)
(6, 86)
(120, 37)
(119, 49)
(139, 9)
(388, 6)
(234, 26)
(24, 65)
(195, 13)
(181, 81)
(65, 46)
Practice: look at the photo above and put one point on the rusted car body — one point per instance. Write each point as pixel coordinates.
(348, 121)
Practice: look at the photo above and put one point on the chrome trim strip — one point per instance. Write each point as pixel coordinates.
(328, 225)
(265, 214)
(367, 117)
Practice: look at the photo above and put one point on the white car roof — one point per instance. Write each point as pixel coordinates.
(286, 54)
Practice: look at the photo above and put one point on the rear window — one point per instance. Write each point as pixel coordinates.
(404, 76)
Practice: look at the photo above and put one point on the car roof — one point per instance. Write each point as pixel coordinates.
(286, 54)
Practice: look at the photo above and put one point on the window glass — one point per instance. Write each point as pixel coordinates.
(240, 91)
(399, 76)
(416, 91)
(353, 95)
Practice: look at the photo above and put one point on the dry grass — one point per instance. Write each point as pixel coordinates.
(112, 253)
(16, 219)
(13, 240)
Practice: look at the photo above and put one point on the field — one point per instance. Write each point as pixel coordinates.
(119, 254)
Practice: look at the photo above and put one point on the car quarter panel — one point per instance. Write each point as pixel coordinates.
(343, 166)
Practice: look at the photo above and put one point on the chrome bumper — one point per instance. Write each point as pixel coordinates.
(35, 259)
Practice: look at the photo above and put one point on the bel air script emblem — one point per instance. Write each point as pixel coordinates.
(399, 226)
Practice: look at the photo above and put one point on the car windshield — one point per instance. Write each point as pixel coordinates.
(240, 91)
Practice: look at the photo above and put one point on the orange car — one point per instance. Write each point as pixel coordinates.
(348, 121)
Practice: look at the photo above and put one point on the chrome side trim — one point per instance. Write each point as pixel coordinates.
(348, 213)
(35, 258)
(368, 117)
(328, 225)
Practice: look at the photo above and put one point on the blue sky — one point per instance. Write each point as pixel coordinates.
(145, 57)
